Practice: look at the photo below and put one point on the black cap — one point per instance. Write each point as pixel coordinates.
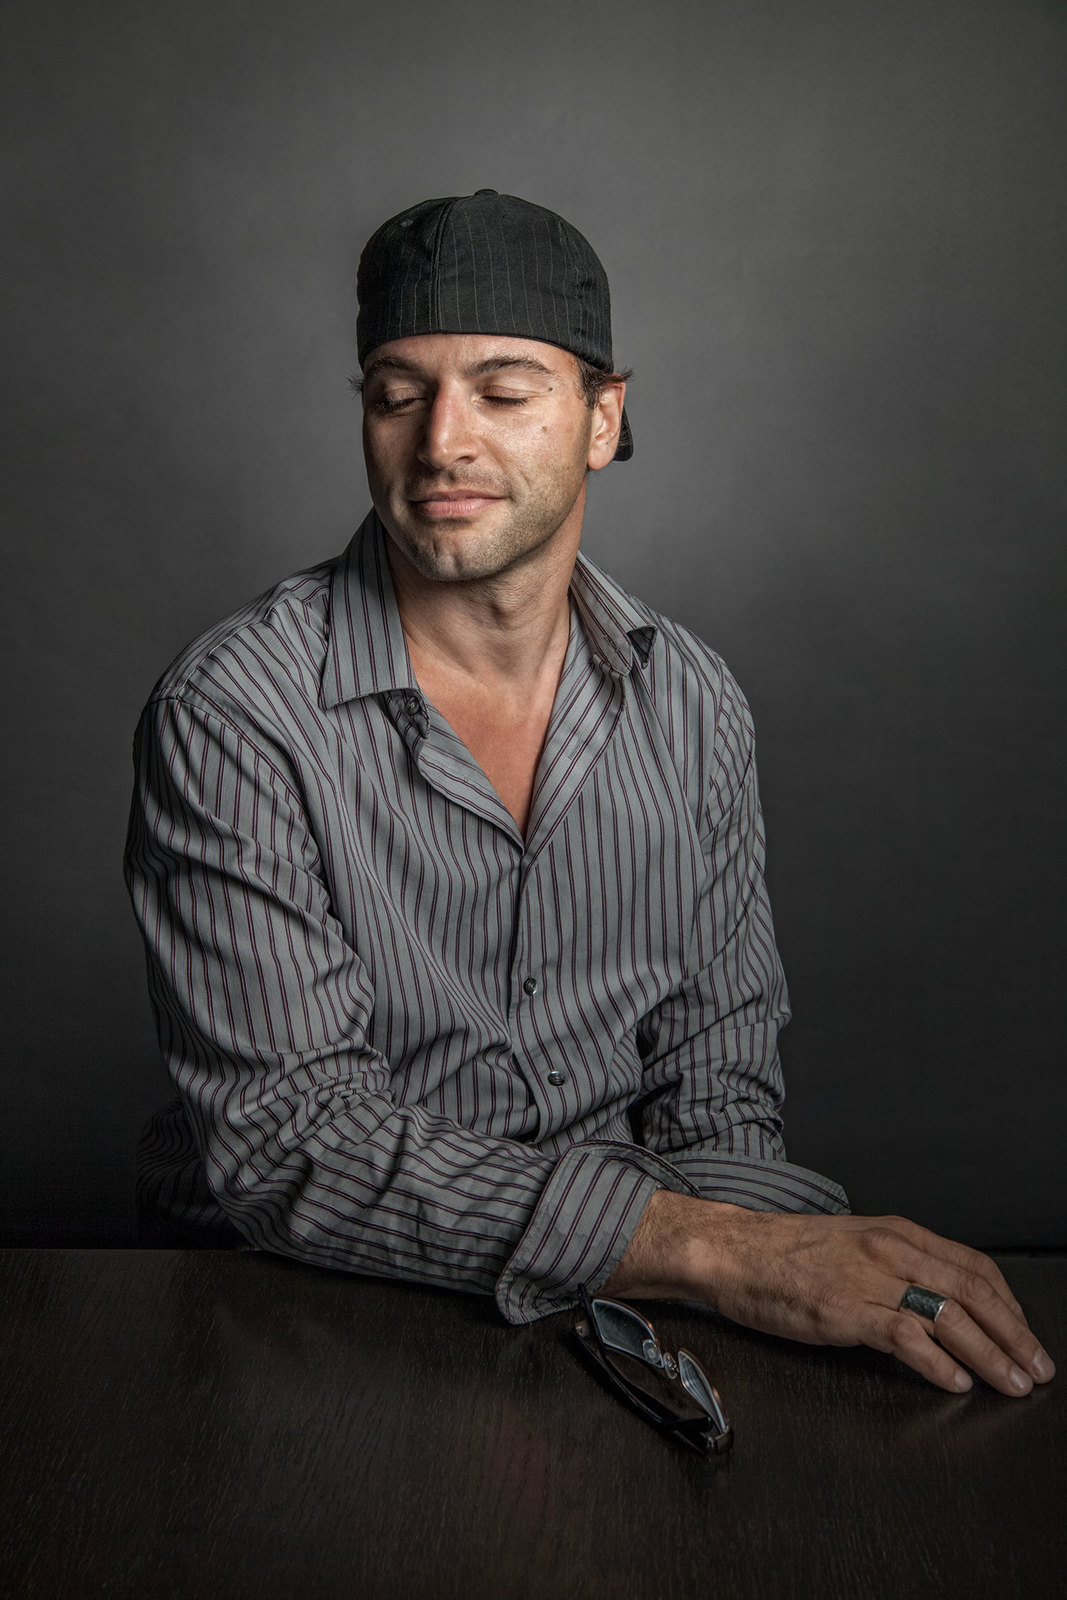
(486, 263)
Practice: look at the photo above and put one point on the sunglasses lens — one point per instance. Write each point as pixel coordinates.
(623, 1330)
(664, 1393)
(697, 1384)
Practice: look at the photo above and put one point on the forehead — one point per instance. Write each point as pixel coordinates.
(469, 355)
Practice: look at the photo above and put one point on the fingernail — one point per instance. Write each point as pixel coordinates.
(962, 1380)
(1042, 1368)
(1019, 1381)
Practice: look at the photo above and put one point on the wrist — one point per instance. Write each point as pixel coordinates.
(674, 1252)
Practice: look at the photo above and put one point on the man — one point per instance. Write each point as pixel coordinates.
(448, 858)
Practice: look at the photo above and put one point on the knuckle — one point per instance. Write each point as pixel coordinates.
(879, 1239)
(976, 1289)
(905, 1335)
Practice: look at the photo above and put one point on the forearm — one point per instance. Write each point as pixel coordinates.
(317, 1161)
(672, 1254)
(352, 1180)
(344, 1178)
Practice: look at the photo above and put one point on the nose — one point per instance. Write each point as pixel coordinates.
(448, 432)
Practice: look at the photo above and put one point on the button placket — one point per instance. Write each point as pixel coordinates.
(530, 987)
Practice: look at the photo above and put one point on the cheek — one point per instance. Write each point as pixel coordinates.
(543, 441)
(380, 452)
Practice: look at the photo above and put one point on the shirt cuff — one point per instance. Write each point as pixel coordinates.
(759, 1184)
(582, 1225)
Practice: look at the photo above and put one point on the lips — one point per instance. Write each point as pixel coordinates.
(453, 502)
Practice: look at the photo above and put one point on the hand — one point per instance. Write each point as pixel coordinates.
(838, 1280)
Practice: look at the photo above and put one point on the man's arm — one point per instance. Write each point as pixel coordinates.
(712, 1069)
(263, 1009)
(837, 1280)
(712, 1079)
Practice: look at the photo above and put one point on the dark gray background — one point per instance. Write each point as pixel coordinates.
(837, 239)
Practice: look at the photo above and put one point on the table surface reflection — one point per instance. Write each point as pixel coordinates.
(201, 1423)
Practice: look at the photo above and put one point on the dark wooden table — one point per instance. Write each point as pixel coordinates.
(229, 1425)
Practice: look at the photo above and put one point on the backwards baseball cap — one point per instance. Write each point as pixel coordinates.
(486, 263)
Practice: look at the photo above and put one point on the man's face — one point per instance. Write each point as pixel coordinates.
(477, 447)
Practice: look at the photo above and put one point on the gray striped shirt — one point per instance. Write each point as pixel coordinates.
(408, 1042)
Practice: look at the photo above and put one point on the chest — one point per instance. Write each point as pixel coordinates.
(440, 905)
(509, 956)
(506, 740)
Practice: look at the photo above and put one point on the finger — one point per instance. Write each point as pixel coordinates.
(979, 1297)
(907, 1337)
(978, 1329)
(962, 1257)
(961, 1337)
(981, 1307)
(900, 1334)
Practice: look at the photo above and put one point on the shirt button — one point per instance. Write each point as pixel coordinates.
(556, 1078)
(414, 704)
(530, 985)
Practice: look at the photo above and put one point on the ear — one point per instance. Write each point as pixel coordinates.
(607, 420)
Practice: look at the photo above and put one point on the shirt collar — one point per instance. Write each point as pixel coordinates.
(367, 653)
(617, 626)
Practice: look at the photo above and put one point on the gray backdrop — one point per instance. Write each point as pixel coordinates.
(836, 234)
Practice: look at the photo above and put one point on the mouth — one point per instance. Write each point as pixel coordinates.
(458, 503)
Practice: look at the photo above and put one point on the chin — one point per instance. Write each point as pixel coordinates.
(461, 554)
(440, 562)
(457, 566)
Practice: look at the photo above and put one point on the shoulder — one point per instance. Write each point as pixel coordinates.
(267, 650)
(685, 697)
(683, 672)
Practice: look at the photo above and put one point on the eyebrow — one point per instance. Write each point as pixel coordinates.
(477, 369)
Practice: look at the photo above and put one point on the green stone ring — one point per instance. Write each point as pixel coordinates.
(924, 1302)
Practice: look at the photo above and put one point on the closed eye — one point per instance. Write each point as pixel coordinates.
(386, 404)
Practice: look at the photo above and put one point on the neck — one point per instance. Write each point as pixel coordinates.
(509, 629)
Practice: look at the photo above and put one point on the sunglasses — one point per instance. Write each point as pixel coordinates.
(672, 1392)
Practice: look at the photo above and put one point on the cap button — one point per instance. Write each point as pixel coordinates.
(477, 192)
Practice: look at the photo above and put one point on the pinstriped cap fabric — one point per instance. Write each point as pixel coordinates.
(486, 263)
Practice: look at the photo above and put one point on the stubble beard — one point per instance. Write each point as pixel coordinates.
(456, 552)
